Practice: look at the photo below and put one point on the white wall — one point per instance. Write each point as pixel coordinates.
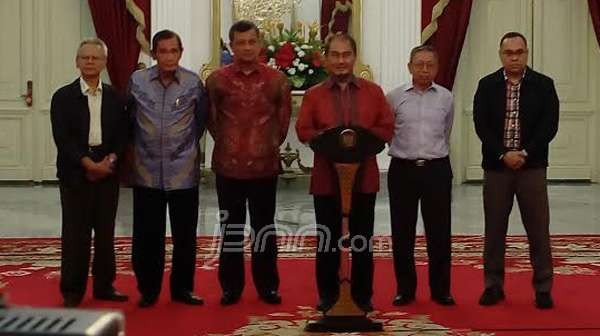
(192, 21)
(391, 28)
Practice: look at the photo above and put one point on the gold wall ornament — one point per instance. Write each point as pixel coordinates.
(263, 11)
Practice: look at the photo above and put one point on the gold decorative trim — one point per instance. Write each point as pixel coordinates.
(139, 17)
(361, 69)
(364, 71)
(432, 27)
(215, 53)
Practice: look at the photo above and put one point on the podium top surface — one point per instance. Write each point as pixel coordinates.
(347, 144)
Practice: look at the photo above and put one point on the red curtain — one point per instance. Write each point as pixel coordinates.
(449, 37)
(117, 28)
(342, 19)
(595, 13)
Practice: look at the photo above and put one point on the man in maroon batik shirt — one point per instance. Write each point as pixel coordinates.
(344, 99)
(250, 106)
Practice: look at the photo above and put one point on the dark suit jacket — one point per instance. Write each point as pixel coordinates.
(538, 115)
(70, 117)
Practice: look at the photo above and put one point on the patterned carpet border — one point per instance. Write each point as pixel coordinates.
(578, 254)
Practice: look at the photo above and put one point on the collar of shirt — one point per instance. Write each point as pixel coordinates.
(507, 80)
(332, 81)
(154, 74)
(411, 87)
(86, 89)
(235, 67)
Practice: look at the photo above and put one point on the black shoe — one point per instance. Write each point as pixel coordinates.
(325, 304)
(403, 299)
(366, 306)
(543, 300)
(271, 297)
(444, 300)
(111, 295)
(147, 301)
(229, 298)
(187, 298)
(491, 296)
(71, 301)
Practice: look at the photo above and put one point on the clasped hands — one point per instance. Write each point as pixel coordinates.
(95, 171)
(514, 159)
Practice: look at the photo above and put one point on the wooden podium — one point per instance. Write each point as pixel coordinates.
(347, 148)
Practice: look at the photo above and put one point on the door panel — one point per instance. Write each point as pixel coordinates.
(43, 36)
(16, 34)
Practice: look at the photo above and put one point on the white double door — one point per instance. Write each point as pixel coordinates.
(39, 40)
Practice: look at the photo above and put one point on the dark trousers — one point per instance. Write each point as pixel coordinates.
(148, 250)
(431, 185)
(329, 230)
(260, 195)
(88, 207)
(499, 190)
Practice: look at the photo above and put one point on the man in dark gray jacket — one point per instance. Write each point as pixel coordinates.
(516, 112)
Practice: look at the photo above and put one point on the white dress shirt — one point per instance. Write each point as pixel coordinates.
(423, 122)
(94, 98)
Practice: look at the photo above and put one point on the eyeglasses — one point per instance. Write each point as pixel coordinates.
(510, 53)
(90, 58)
(423, 65)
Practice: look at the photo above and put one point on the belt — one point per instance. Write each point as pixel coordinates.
(96, 153)
(94, 149)
(420, 162)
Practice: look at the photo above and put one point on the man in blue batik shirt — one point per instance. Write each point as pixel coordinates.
(168, 108)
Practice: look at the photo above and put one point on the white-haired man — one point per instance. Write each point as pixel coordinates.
(89, 128)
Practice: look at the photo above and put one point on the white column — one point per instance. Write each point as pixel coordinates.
(191, 20)
(391, 28)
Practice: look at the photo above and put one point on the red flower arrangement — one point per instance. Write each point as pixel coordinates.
(299, 58)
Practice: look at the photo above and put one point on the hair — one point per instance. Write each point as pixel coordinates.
(242, 26)
(93, 41)
(421, 48)
(512, 34)
(341, 37)
(165, 35)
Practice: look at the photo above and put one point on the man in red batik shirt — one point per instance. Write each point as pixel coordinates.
(250, 106)
(344, 99)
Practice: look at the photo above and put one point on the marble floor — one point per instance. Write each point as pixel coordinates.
(34, 210)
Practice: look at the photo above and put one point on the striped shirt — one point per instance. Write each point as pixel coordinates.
(423, 122)
(512, 124)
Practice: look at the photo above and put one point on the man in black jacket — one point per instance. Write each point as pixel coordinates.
(90, 129)
(516, 113)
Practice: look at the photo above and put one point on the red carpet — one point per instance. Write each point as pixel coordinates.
(29, 274)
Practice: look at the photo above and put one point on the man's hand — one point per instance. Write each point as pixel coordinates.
(514, 159)
(95, 171)
(112, 158)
